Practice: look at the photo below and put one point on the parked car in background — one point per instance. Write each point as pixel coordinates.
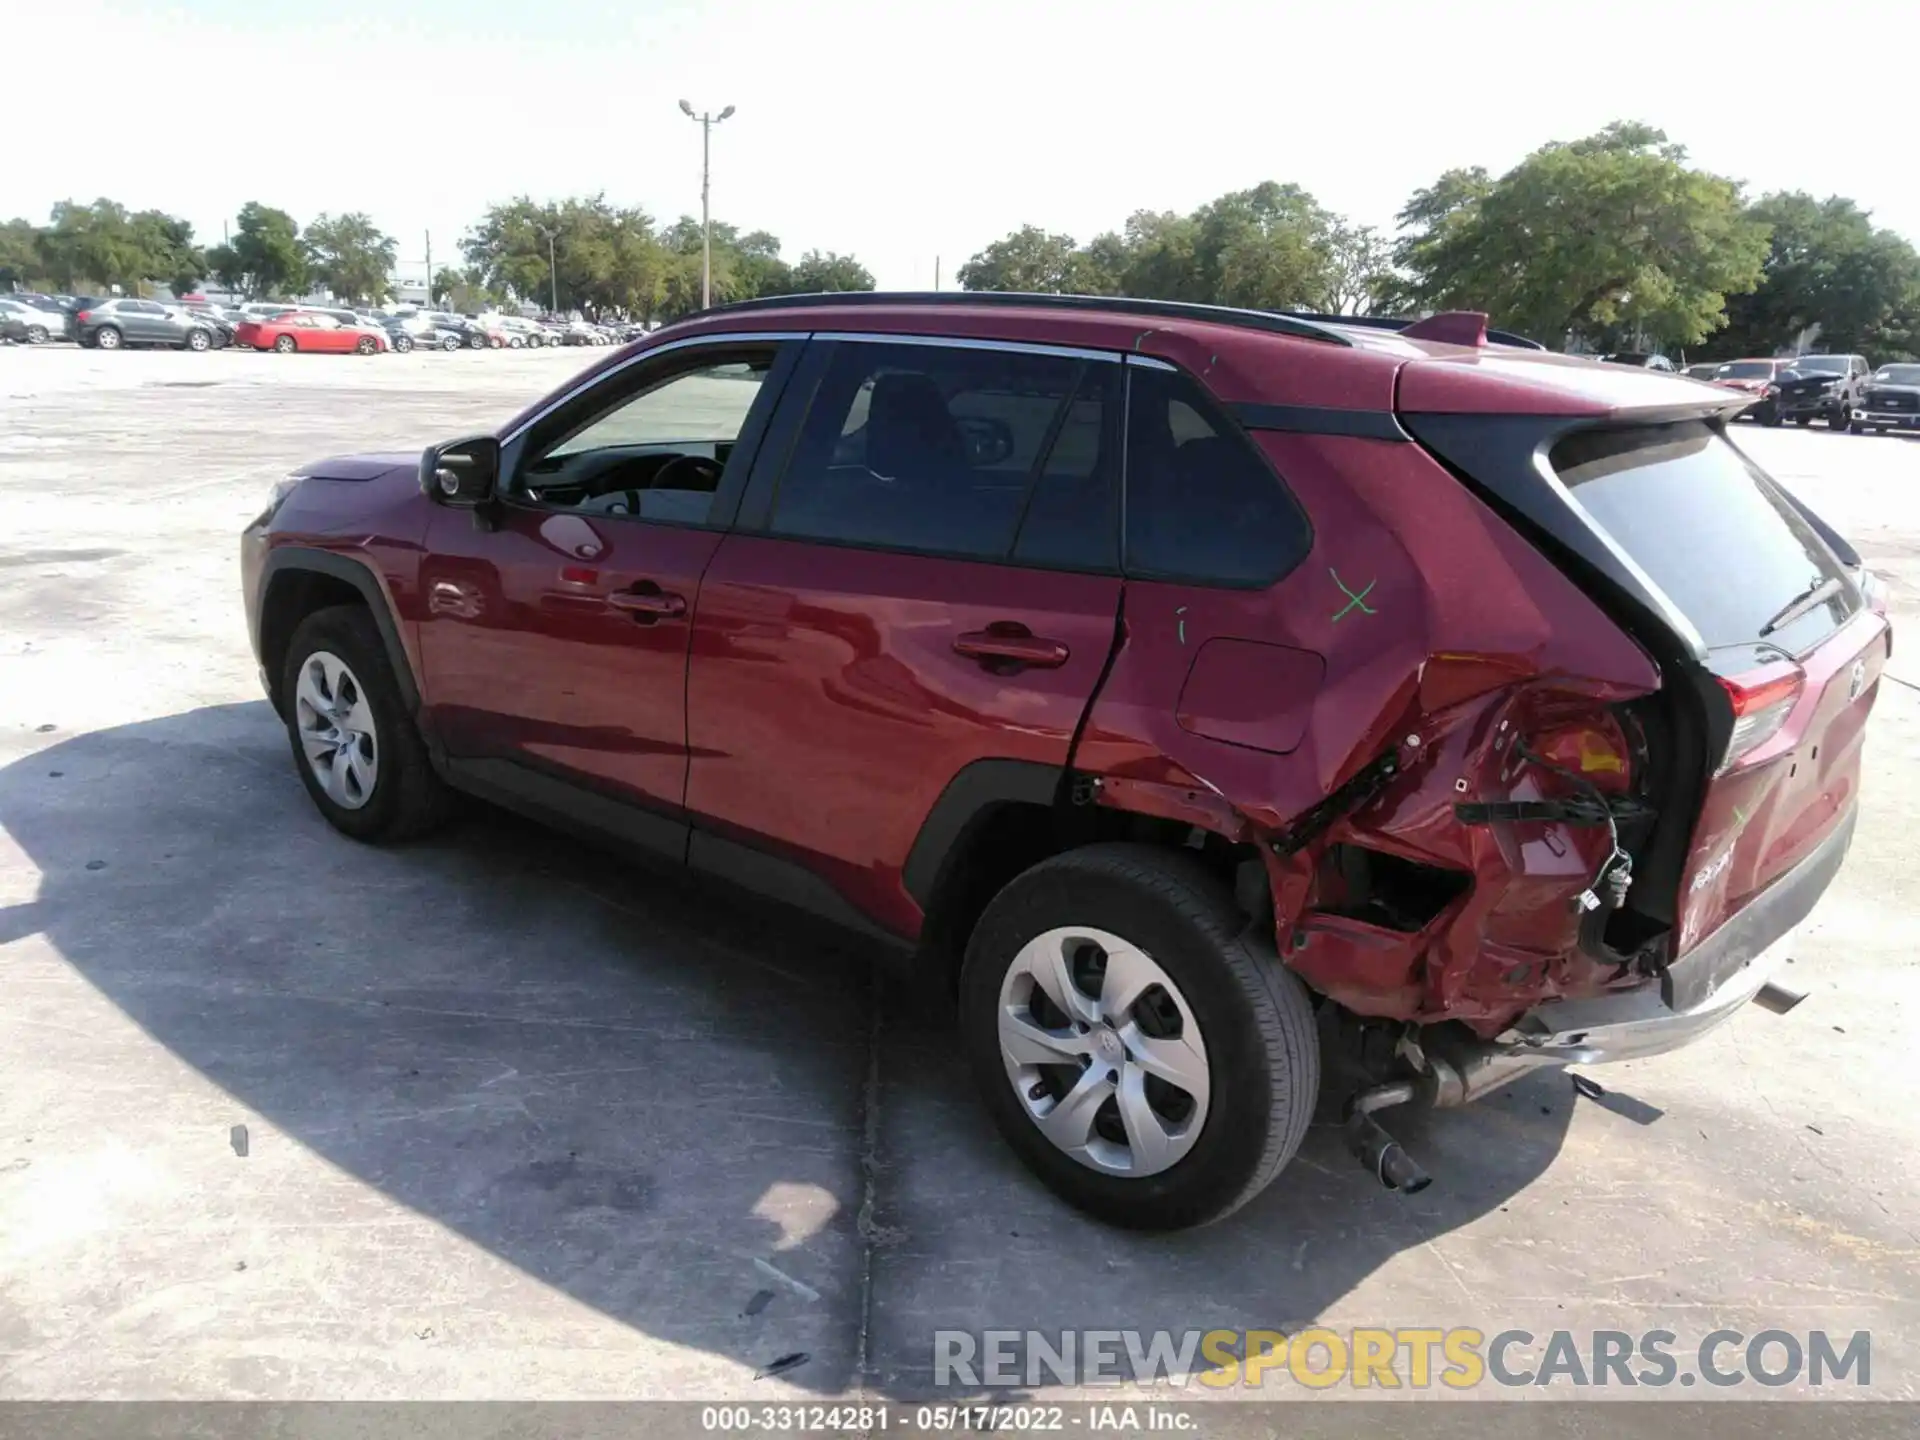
(1890, 400)
(1702, 371)
(266, 309)
(218, 326)
(1821, 387)
(519, 332)
(471, 333)
(32, 324)
(1753, 377)
(1640, 360)
(1171, 722)
(313, 331)
(122, 323)
(419, 331)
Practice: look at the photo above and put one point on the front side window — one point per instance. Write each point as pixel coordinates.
(1898, 375)
(655, 453)
(964, 451)
(1202, 503)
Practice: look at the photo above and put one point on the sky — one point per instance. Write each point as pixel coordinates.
(913, 133)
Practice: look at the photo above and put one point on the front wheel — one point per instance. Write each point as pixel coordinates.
(402, 344)
(359, 755)
(285, 344)
(1148, 1062)
(450, 343)
(366, 346)
(1840, 420)
(198, 340)
(476, 341)
(108, 338)
(36, 334)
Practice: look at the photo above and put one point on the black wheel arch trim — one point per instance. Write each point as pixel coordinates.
(294, 558)
(977, 787)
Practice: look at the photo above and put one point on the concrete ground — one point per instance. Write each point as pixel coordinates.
(286, 1117)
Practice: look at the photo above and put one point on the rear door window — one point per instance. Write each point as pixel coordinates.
(958, 450)
(1711, 530)
(1202, 503)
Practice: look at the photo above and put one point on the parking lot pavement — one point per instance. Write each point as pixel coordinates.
(287, 1117)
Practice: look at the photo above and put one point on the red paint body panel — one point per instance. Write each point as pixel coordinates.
(1466, 620)
(528, 658)
(1777, 803)
(828, 709)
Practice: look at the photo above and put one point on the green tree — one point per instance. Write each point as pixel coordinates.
(821, 272)
(595, 257)
(1598, 239)
(1359, 270)
(1828, 272)
(267, 255)
(1264, 248)
(352, 256)
(444, 283)
(20, 262)
(1030, 261)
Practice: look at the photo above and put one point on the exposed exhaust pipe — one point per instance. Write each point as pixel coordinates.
(1777, 998)
(1374, 1148)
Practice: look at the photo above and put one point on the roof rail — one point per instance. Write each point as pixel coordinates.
(1400, 322)
(1274, 322)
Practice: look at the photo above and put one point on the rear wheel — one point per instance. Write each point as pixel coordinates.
(197, 340)
(450, 342)
(285, 344)
(402, 343)
(36, 334)
(1144, 1059)
(366, 346)
(358, 752)
(108, 337)
(476, 341)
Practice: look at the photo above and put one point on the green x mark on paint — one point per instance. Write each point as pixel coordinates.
(1354, 601)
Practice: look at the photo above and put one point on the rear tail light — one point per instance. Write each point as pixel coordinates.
(82, 316)
(1761, 704)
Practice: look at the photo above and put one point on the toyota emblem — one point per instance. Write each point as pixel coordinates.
(1858, 680)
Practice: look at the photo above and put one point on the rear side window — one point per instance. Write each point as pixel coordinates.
(1202, 503)
(965, 451)
(1710, 529)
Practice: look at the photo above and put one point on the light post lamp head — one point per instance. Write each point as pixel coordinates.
(686, 108)
(726, 112)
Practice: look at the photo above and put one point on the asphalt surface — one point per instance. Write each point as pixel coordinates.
(287, 1117)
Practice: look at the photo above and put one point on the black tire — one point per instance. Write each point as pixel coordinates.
(366, 346)
(476, 341)
(450, 343)
(285, 344)
(36, 334)
(1803, 420)
(1254, 1016)
(408, 798)
(197, 340)
(1841, 420)
(1768, 415)
(108, 337)
(402, 344)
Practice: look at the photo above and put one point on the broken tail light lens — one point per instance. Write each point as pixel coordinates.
(1761, 704)
(81, 318)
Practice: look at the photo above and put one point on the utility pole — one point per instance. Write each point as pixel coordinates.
(936, 272)
(553, 273)
(429, 270)
(707, 120)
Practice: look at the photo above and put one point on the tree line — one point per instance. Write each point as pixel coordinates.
(577, 254)
(1611, 242)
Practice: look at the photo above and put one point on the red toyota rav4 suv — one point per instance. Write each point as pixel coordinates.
(1201, 693)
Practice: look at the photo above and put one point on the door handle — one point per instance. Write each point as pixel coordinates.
(647, 602)
(1009, 643)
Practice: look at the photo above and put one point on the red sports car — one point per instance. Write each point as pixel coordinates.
(309, 330)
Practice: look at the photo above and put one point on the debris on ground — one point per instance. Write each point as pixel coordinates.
(785, 1363)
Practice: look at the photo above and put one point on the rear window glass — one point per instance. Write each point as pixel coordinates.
(1747, 370)
(1709, 529)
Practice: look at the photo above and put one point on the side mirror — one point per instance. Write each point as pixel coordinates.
(989, 441)
(461, 473)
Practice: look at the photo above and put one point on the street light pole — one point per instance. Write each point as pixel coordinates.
(553, 275)
(707, 120)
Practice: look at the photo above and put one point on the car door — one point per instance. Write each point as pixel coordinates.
(924, 581)
(554, 635)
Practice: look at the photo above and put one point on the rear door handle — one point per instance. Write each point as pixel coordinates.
(1010, 643)
(647, 602)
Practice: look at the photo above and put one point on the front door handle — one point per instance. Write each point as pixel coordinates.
(647, 602)
(1010, 644)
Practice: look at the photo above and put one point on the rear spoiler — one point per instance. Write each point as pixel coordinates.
(1398, 323)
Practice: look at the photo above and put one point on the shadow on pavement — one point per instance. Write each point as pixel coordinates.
(654, 1099)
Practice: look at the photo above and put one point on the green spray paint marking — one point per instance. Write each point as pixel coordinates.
(1353, 601)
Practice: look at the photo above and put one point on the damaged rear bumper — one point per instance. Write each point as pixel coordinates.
(1702, 991)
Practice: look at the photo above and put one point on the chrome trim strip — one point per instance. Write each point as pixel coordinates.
(715, 339)
(1152, 362)
(969, 342)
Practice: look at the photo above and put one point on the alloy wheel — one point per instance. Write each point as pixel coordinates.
(336, 730)
(1103, 1052)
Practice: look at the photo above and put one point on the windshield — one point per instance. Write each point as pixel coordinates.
(1745, 370)
(1712, 531)
(1898, 374)
(1820, 364)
